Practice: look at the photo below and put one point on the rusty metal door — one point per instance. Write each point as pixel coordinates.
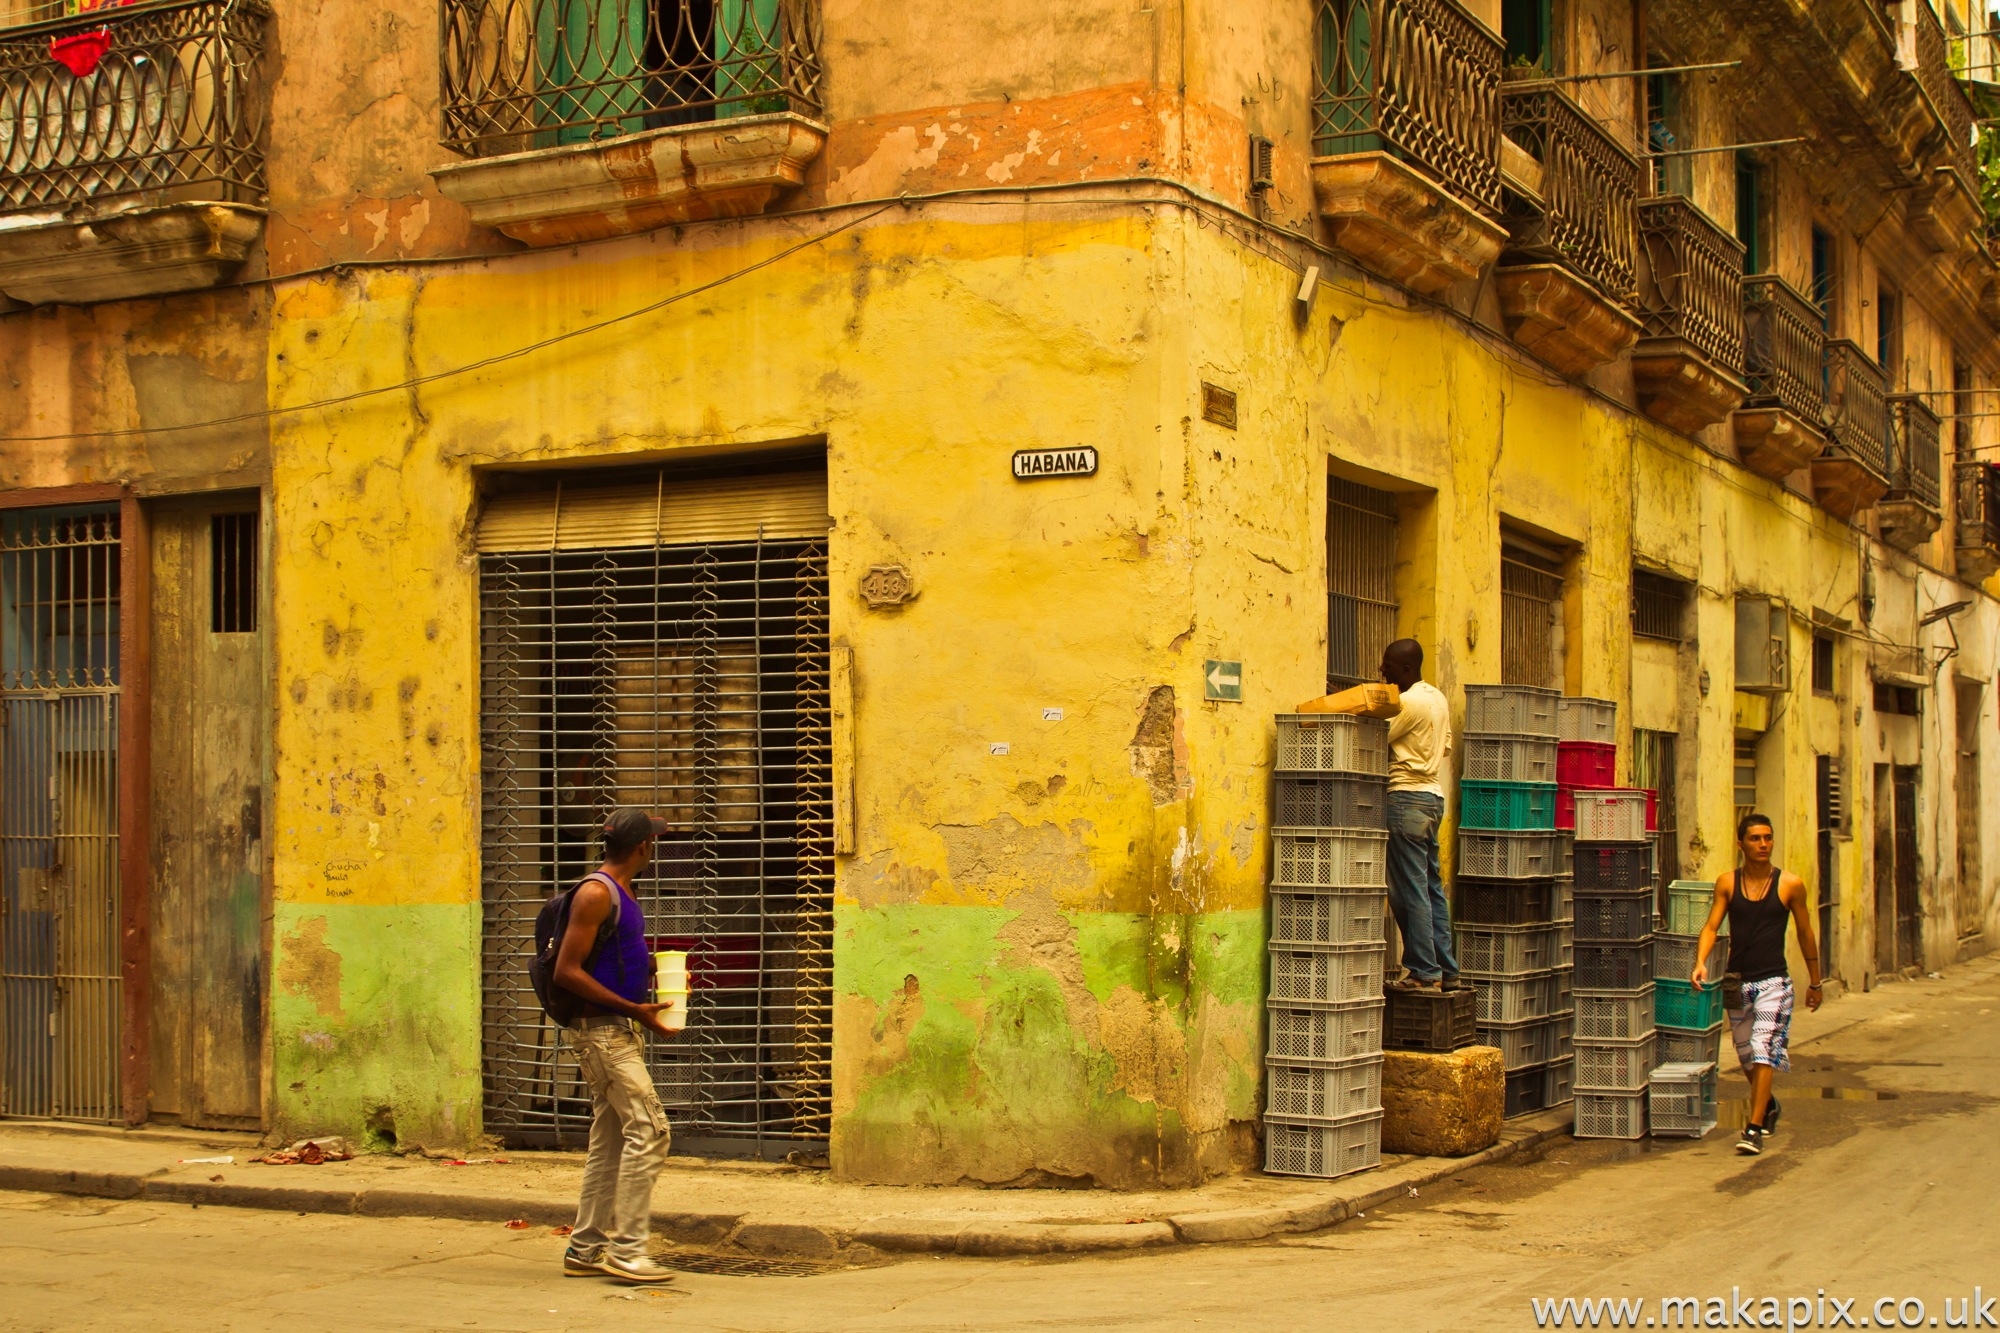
(60, 979)
(208, 720)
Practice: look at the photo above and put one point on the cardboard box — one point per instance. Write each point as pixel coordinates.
(1374, 700)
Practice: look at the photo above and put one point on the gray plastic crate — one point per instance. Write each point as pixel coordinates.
(1681, 1046)
(1523, 1044)
(1326, 974)
(1565, 898)
(1330, 800)
(1515, 999)
(1524, 710)
(1503, 949)
(1674, 956)
(1614, 1066)
(1331, 743)
(1328, 916)
(1615, 1015)
(1579, 719)
(1610, 1115)
(1324, 1091)
(1680, 1099)
(1558, 1082)
(1508, 759)
(1298, 1147)
(1498, 854)
(1329, 859)
(1325, 1032)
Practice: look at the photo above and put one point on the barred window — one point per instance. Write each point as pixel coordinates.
(1655, 767)
(1531, 589)
(1822, 663)
(1659, 604)
(1360, 580)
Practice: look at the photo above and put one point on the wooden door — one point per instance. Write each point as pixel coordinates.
(1885, 871)
(209, 982)
(1909, 904)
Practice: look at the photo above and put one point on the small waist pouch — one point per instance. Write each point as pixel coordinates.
(1732, 990)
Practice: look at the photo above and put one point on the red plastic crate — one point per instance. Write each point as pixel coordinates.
(1566, 804)
(1586, 764)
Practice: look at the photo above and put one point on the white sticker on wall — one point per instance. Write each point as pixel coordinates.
(1052, 715)
(997, 747)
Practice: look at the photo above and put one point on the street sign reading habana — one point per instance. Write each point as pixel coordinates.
(1031, 464)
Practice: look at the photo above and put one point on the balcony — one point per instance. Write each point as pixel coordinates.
(1945, 212)
(143, 173)
(1688, 363)
(1406, 138)
(1784, 339)
(583, 119)
(1573, 233)
(1851, 472)
(1908, 511)
(1978, 537)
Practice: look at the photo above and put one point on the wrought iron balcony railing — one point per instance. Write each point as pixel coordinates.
(1857, 406)
(521, 74)
(1944, 92)
(1784, 337)
(171, 108)
(1978, 487)
(1697, 281)
(1915, 462)
(1586, 217)
(1417, 78)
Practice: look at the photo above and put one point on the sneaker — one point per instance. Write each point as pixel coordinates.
(583, 1263)
(643, 1269)
(1771, 1117)
(1752, 1141)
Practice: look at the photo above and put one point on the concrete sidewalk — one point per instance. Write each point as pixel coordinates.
(780, 1210)
(758, 1208)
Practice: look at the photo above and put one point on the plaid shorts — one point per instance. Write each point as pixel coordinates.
(1763, 1026)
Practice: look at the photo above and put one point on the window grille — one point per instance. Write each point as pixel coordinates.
(1822, 663)
(1655, 768)
(61, 988)
(232, 573)
(1361, 581)
(1658, 606)
(692, 679)
(1530, 616)
(1746, 778)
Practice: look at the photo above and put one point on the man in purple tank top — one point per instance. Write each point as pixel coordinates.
(628, 1128)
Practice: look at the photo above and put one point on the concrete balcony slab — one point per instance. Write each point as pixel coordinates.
(636, 182)
(1845, 486)
(71, 259)
(1773, 443)
(1400, 224)
(1562, 318)
(1677, 386)
(1907, 523)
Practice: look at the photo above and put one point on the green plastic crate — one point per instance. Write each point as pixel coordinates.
(1679, 1005)
(1688, 901)
(1506, 805)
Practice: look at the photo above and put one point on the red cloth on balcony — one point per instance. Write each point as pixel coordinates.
(80, 52)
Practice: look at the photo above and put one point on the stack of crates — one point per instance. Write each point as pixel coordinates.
(1511, 890)
(1681, 1100)
(1328, 945)
(1616, 1046)
(1690, 1021)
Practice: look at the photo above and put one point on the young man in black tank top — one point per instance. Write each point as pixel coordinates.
(1760, 899)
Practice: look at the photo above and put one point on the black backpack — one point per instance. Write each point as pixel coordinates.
(551, 924)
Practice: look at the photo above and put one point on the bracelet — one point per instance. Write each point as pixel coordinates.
(1814, 986)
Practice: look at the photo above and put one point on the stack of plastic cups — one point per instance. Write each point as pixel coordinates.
(1511, 888)
(1616, 1048)
(670, 987)
(1329, 883)
(1690, 1021)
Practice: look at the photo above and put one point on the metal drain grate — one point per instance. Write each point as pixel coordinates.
(744, 1265)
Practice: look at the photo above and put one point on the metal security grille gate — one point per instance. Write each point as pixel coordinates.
(665, 645)
(60, 988)
(1360, 580)
(1531, 590)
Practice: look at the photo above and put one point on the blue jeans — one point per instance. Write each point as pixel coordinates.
(1416, 889)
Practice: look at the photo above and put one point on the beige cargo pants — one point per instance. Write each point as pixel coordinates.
(629, 1139)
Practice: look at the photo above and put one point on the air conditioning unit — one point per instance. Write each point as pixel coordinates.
(1763, 646)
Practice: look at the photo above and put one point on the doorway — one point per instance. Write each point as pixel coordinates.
(208, 848)
(1909, 924)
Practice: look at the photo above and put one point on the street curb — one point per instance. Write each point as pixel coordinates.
(901, 1235)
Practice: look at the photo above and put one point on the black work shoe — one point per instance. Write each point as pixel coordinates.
(1752, 1141)
(1771, 1117)
(1455, 983)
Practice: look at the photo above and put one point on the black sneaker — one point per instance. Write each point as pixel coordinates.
(1771, 1117)
(1752, 1141)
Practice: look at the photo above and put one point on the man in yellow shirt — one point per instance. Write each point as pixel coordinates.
(1419, 740)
